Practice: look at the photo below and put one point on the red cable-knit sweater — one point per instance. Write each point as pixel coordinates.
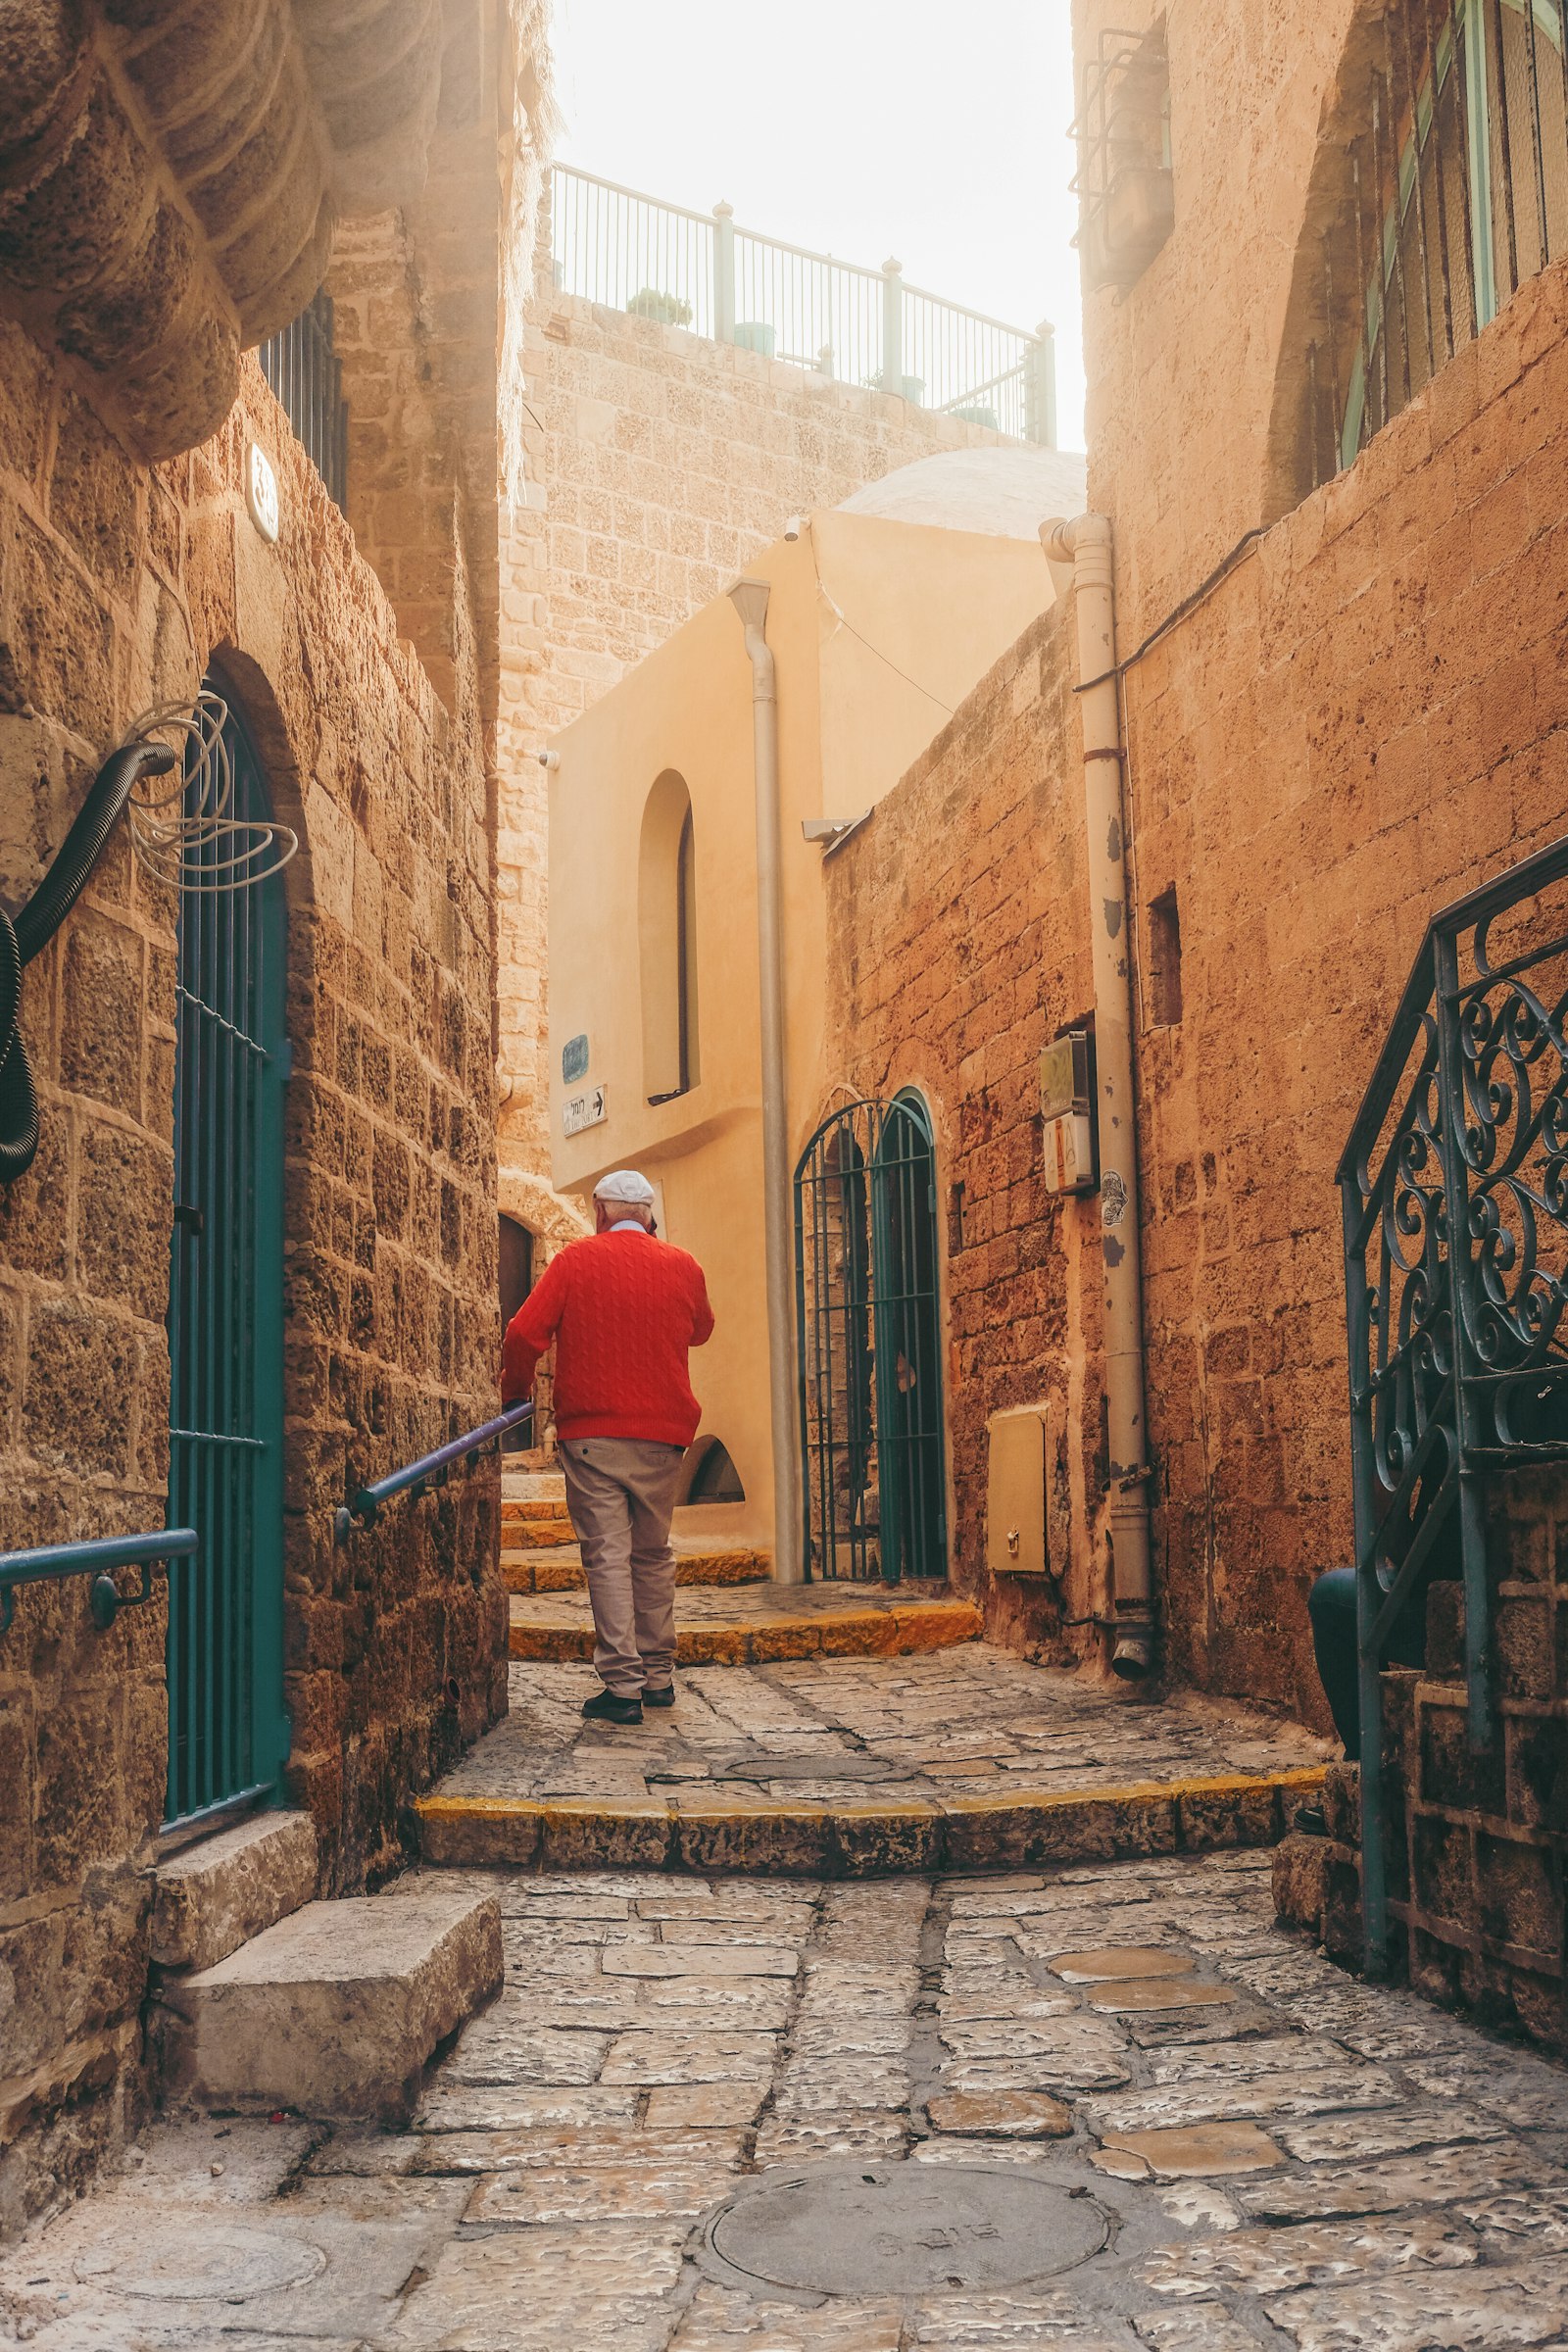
(623, 1308)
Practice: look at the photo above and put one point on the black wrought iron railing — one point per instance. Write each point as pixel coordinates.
(431, 1470)
(100, 1559)
(302, 365)
(1455, 1192)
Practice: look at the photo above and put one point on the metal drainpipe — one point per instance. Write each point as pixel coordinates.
(749, 600)
(1086, 543)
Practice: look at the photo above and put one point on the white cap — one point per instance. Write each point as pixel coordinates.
(624, 1183)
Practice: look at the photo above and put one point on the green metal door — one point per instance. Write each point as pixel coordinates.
(227, 1732)
(869, 1322)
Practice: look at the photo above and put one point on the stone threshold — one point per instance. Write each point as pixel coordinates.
(558, 1568)
(955, 1838)
(906, 1629)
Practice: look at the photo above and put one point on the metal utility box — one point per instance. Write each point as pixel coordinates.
(1067, 1105)
(1017, 1494)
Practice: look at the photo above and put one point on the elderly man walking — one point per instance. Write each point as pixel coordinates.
(623, 1307)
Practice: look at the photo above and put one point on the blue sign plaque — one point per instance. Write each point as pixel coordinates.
(574, 1058)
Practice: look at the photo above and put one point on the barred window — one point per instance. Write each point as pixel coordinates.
(1454, 191)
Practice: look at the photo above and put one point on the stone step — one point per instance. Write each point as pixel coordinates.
(558, 1568)
(218, 1893)
(714, 1831)
(536, 1524)
(532, 1485)
(753, 1625)
(336, 2010)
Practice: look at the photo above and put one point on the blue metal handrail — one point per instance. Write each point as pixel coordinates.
(1454, 1188)
(98, 1558)
(431, 1470)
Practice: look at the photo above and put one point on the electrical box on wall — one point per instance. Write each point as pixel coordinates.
(1017, 1494)
(1067, 1105)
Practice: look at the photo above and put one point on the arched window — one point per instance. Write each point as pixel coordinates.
(1451, 175)
(667, 941)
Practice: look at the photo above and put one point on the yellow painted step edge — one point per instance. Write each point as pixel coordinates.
(1023, 1831)
(525, 1571)
(847, 1633)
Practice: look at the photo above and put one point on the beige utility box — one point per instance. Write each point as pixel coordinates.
(1018, 1494)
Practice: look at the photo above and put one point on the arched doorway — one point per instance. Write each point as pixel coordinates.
(227, 1732)
(866, 1293)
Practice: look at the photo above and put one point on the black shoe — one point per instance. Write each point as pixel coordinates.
(610, 1707)
(662, 1696)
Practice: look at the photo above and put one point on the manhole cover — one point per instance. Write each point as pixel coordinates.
(201, 2264)
(896, 2228)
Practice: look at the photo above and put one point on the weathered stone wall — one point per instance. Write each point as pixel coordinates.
(1184, 368)
(117, 587)
(656, 463)
(1364, 718)
(1478, 1840)
(957, 950)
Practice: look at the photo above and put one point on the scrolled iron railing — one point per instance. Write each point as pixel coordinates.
(98, 1558)
(431, 1470)
(1454, 1195)
(840, 319)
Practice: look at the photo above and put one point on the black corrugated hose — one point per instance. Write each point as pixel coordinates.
(39, 921)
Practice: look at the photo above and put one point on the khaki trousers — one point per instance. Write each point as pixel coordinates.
(620, 1492)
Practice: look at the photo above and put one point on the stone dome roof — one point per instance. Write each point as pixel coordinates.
(1004, 493)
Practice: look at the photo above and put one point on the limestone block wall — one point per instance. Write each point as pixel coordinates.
(118, 586)
(956, 951)
(1366, 717)
(171, 176)
(1182, 367)
(656, 463)
(1478, 1840)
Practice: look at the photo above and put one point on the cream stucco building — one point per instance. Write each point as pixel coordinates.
(882, 616)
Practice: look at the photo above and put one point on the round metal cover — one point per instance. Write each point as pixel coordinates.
(896, 2228)
(200, 2261)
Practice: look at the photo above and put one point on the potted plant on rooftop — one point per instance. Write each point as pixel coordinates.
(664, 310)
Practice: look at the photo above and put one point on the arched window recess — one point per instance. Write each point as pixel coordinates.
(667, 915)
(1451, 175)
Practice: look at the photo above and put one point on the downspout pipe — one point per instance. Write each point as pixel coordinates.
(1086, 544)
(750, 599)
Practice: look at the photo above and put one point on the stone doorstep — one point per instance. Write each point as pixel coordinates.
(558, 1568)
(216, 1895)
(336, 2010)
(909, 1629)
(711, 1833)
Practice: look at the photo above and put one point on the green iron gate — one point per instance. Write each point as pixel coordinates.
(227, 1732)
(869, 1320)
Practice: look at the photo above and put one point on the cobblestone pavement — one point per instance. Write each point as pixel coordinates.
(831, 1729)
(1246, 2147)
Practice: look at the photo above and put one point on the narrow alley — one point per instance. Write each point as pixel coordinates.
(1135, 2114)
(721, 2103)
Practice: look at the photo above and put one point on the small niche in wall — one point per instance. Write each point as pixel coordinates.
(713, 1477)
(1164, 960)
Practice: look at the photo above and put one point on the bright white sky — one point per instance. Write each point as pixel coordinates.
(859, 127)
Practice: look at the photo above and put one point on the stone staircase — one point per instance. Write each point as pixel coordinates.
(264, 1998)
(834, 1730)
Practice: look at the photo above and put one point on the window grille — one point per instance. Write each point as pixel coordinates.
(302, 365)
(1455, 191)
(1124, 184)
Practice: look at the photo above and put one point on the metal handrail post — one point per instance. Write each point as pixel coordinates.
(893, 327)
(1368, 1600)
(724, 273)
(1456, 1187)
(1039, 386)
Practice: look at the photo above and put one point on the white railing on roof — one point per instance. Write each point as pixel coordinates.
(698, 272)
